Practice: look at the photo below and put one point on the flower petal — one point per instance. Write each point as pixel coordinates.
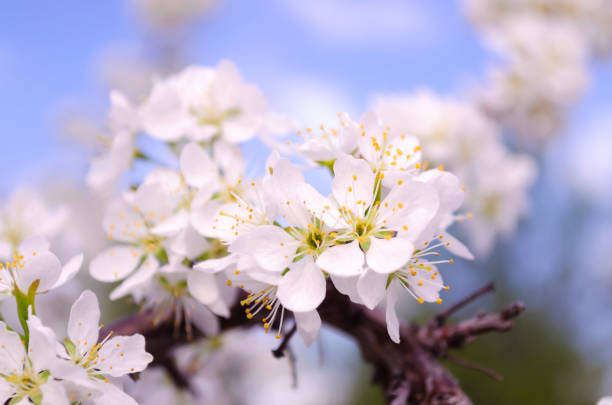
(353, 183)
(41, 347)
(203, 287)
(83, 324)
(302, 289)
(387, 255)
(197, 167)
(140, 277)
(12, 351)
(123, 355)
(115, 263)
(70, 269)
(391, 314)
(272, 248)
(344, 260)
(371, 287)
(308, 325)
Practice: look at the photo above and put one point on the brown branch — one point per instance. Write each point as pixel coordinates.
(443, 316)
(409, 372)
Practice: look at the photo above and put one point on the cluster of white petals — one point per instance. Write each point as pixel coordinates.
(460, 137)
(200, 104)
(540, 79)
(195, 231)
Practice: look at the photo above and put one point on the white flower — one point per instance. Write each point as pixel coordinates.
(106, 169)
(24, 373)
(91, 363)
(300, 289)
(26, 214)
(201, 102)
(605, 401)
(379, 232)
(33, 261)
(130, 220)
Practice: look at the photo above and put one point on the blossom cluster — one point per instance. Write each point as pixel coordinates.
(37, 367)
(457, 134)
(196, 231)
(541, 78)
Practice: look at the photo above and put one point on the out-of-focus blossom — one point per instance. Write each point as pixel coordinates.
(200, 103)
(167, 15)
(459, 137)
(26, 213)
(228, 371)
(541, 78)
(605, 401)
(33, 262)
(592, 17)
(87, 364)
(24, 370)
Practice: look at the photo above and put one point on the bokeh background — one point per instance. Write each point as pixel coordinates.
(312, 59)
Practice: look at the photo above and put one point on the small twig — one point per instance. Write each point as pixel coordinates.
(280, 350)
(441, 318)
(293, 366)
(478, 367)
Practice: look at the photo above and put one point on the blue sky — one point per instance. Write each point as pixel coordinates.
(50, 57)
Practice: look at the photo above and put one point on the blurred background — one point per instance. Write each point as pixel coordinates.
(58, 61)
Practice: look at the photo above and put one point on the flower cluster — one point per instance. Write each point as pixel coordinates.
(542, 78)
(194, 230)
(459, 136)
(37, 368)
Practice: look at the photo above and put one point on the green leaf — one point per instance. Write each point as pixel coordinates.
(70, 347)
(24, 301)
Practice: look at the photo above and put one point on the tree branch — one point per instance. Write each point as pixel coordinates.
(409, 372)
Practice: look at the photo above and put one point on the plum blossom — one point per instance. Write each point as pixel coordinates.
(24, 370)
(34, 262)
(25, 214)
(200, 103)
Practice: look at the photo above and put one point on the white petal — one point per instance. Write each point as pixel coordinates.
(41, 348)
(302, 289)
(348, 287)
(272, 248)
(139, 278)
(188, 243)
(172, 225)
(344, 260)
(70, 269)
(308, 325)
(385, 256)
(197, 167)
(203, 287)
(203, 219)
(83, 324)
(44, 266)
(605, 401)
(216, 265)
(353, 183)
(391, 314)
(53, 393)
(115, 263)
(152, 202)
(122, 223)
(12, 351)
(33, 244)
(125, 354)
(409, 208)
(204, 319)
(371, 287)
(456, 247)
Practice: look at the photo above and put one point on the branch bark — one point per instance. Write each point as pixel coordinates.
(409, 372)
